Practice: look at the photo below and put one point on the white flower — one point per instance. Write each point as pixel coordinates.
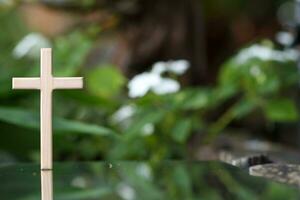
(124, 113)
(153, 81)
(126, 191)
(145, 82)
(177, 67)
(148, 129)
(285, 38)
(166, 86)
(159, 68)
(266, 54)
(30, 46)
(142, 83)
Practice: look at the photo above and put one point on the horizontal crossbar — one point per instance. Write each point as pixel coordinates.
(26, 83)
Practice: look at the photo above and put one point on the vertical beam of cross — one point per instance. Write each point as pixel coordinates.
(46, 84)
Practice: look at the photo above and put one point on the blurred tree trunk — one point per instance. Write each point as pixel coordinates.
(150, 31)
(166, 30)
(137, 33)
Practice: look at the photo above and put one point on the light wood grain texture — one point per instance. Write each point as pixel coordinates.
(68, 83)
(47, 185)
(26, 83)
(46, 109)
(46, 84)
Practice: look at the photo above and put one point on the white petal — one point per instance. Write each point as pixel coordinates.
(30, 45)
(148, 129)
(166, 86)
(125, 112)
(142, 83)
(266, 54)
(285, 38)
(261, 52)
(159, 67)
(178, 67)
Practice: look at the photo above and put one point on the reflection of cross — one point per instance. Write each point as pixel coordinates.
(46, 84)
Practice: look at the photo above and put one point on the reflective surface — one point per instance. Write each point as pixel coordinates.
(139, 180)
(47, 184)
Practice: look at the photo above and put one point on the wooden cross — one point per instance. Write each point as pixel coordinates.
(46, 83)
(47, 184)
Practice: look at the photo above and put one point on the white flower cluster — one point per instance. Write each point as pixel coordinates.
(178, 67)
(266, 54)
(30, 46)
(153, 81)
(150, 81)
(285, 38)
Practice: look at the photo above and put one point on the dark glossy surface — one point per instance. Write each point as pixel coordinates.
(140, 181)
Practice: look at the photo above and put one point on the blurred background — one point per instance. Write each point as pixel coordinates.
(164, 79)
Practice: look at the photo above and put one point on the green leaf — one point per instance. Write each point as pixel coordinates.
(281, 110)
(196, 98)
(15, 29)
(29, 119)
(143, 118)
(182, 179)
(243, 108)
(182, 130)
(229, 74)
(277, 192)
(224, 92)
(105, 81)
(66, 63)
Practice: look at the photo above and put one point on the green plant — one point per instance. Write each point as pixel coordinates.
(156, 117)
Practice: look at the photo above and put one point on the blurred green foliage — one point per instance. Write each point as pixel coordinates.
(85, 126)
